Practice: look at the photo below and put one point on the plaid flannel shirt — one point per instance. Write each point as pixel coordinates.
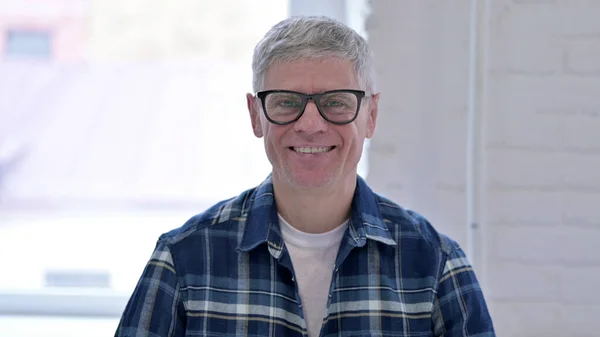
(226, 272)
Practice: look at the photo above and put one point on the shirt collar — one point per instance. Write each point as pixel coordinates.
(262, 223)
(366, 219)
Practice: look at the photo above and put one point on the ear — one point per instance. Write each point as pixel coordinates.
(372, 118)
(254, 110)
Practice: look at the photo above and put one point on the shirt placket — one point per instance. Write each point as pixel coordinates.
(346, 247)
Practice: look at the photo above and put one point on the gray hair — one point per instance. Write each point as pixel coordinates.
(312, 37)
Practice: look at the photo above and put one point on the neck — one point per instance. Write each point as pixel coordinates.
(314, 210)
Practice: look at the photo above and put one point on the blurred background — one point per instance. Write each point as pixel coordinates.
(120, 119)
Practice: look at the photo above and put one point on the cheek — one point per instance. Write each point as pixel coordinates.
(351, 140)
(273, 135)
(357, 133)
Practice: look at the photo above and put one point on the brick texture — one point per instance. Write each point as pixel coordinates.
(536, 250)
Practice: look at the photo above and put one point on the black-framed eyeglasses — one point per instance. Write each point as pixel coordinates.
(284, 107)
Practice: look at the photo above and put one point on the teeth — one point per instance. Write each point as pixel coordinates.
(313, 149)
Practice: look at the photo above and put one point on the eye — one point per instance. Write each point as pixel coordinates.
(289, 103)
(334, 104)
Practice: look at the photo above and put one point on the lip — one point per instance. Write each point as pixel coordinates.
(332, 147)
(311, 145)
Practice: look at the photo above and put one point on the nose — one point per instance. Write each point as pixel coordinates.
(311, 120)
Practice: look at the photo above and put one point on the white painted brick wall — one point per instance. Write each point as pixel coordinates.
(582, 209)
(539, 257)
(542, 244)
(582, 57)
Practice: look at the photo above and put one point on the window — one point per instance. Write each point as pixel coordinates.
(116, 151)
(28, 44)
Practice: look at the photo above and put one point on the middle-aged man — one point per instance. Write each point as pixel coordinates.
(312, 250)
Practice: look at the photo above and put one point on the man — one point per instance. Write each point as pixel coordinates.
(312, 250)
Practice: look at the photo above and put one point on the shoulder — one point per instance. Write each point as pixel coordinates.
(222, 217)
(424, 249)
(410, 225)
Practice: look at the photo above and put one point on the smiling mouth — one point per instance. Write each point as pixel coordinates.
(320, 149)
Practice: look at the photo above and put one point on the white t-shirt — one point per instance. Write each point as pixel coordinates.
(313, 257)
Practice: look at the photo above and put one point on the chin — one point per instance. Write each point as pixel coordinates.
(309, 180)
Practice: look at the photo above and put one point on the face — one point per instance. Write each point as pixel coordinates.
(291, 148)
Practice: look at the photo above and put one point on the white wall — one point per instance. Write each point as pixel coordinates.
(537, 247)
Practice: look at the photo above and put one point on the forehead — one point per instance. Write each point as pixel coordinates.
(311, 75)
